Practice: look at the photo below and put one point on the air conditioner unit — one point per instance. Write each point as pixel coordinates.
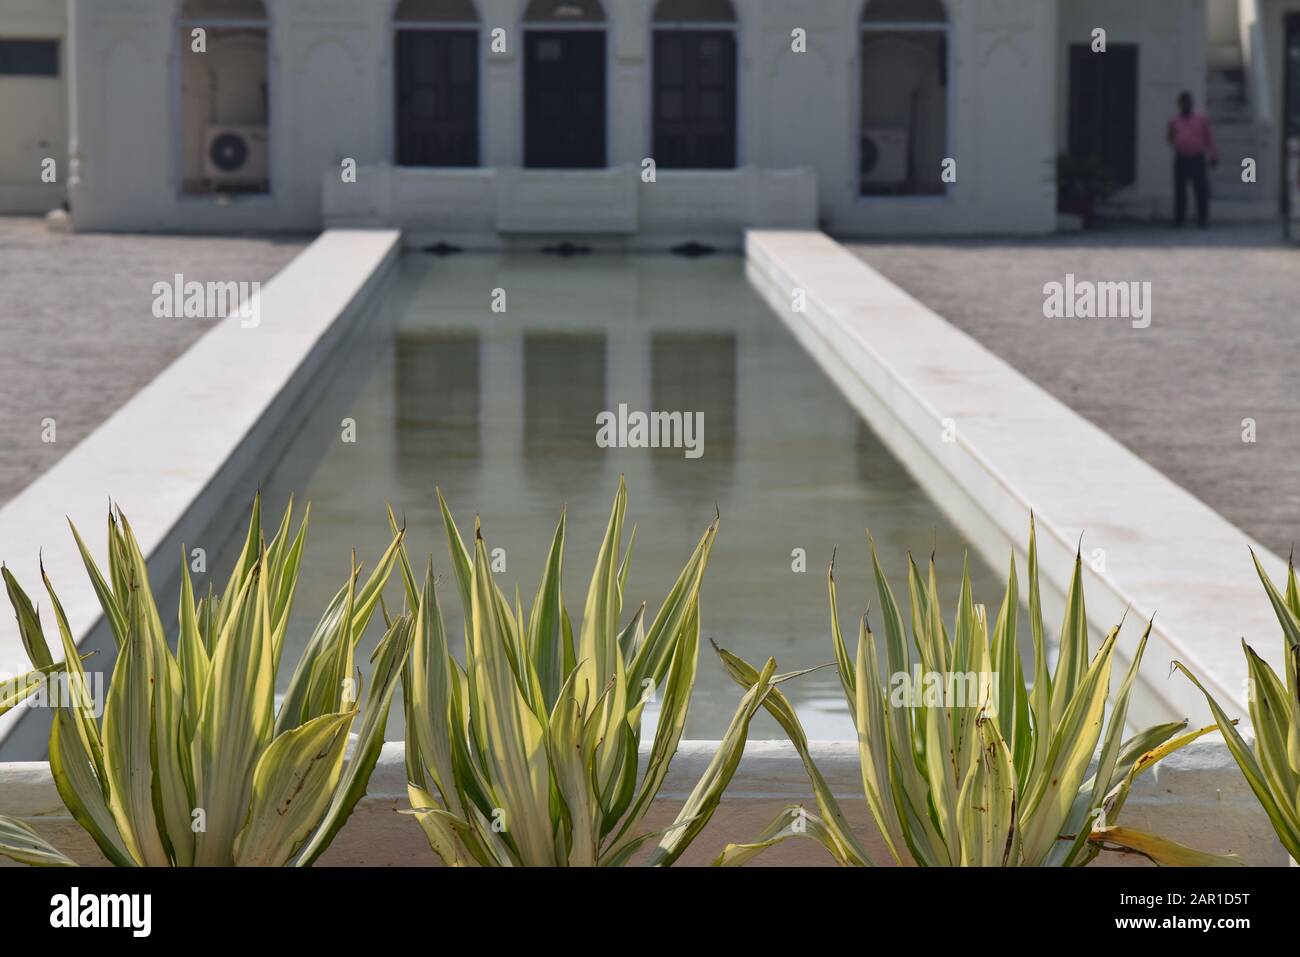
(236, 155)
(884, 156)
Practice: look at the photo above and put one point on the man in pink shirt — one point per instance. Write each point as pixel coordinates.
(1193, 142)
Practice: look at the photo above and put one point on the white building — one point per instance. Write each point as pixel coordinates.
(478, 122)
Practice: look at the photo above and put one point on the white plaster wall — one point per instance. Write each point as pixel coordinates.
(1270, 15)
(332, 96)
(804, 109)
(1223, 33)
(33, 112)
(1171, 36)
(324, 65)
(331, 91)
(221, 86)
(1262, 37)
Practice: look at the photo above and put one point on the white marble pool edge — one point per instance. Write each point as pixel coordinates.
(237, 385)
(1014, 449)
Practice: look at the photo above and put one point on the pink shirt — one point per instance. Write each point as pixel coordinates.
(1191, 135)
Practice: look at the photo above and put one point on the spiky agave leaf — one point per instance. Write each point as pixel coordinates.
(1272, 767)
(1141, 753)
(838, 835)
(17, 840)
(189, 765)
(15, 691)
(794, 820)
(1161, 850)
(703, 799)
(529, 753)
(20, 843)
(1000, 781)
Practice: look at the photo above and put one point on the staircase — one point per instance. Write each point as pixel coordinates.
(1239, 135)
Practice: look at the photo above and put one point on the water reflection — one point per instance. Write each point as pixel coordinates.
(564, 391)
(499, 410)
(437, 398)
(694, 374)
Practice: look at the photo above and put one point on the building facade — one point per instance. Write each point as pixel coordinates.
(632, 121)
(33, 105)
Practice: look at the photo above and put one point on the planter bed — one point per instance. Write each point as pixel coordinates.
(1196, 796)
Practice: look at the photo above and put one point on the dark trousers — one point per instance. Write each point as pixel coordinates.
(1191, 169)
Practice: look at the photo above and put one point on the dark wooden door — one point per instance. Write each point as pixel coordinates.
(564, 99)
(437, 98)
(695, 99)
(1103, 109)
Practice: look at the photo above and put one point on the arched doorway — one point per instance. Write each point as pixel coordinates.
(904, 97)
(564, 84)
(225, 97)
(436, 58)
(694, 102)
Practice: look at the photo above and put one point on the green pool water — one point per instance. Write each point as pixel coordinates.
(499, 409)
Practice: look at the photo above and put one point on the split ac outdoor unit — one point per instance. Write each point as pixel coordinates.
(884, 156)
(236, 155)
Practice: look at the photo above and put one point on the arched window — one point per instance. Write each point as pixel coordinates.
(904, 97)
(564, 84)
(436, 51)
(223, 10)
(564, 11)
(225, 97)
(694, 102)
(435, 11)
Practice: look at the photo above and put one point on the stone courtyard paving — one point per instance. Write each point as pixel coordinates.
(77, 332)
(1223, 346)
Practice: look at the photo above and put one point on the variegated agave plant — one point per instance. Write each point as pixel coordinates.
(1003, 780)
(191, 765)
(528, 754)
(1273, 769)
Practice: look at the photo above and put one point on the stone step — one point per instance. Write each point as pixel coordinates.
(1226, 95)
(1224, 87)
(1233, 189)
(1241, 210)
(1240, 139)
(1224, 57)
(1237, 76)
(1225, 111)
